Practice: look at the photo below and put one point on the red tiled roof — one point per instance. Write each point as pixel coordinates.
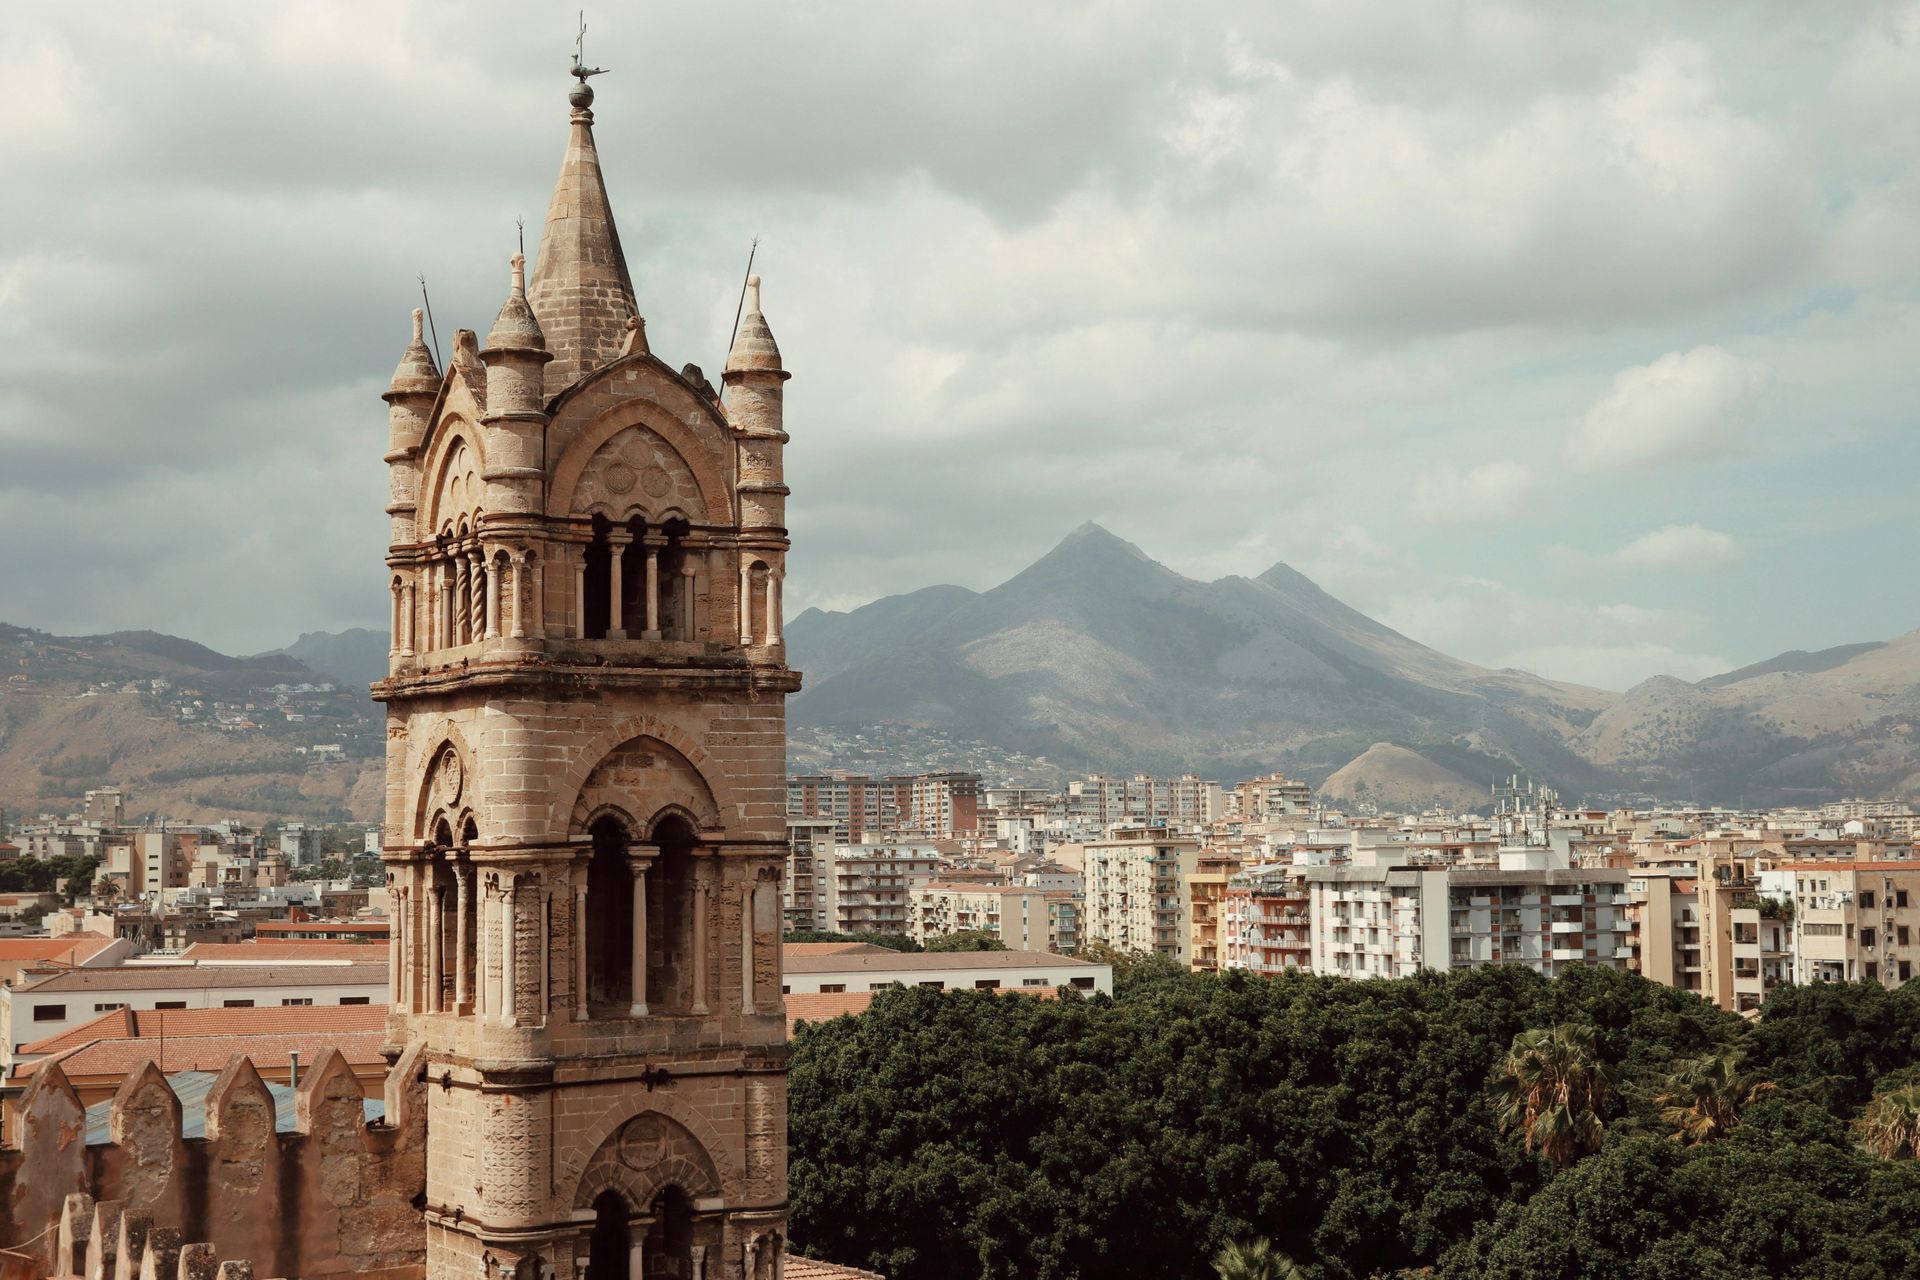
(827, 948)
(129, 1024)
(329, 926)
(272, 949)
(794, 1267)
(73, 947)
(210, 1053)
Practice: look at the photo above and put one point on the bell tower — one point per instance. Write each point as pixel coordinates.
(585, 776)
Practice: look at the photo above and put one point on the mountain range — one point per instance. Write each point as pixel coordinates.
(1095, 657)
(1098, 656)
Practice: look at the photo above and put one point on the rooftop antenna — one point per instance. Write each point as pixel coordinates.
(739, 308)
(428, 303)
(580, 67)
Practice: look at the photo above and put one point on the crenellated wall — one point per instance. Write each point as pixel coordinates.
(334, 1195)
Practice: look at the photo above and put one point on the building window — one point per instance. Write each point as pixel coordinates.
(1900, 899)
(169, 1004)
(108, 1008)
(236, 1004)
(937, 986)
(353, 1000)
(986, 984)
(1033, 982)
(49, 1013)
(1866, 899)
(832, 988)
(296, 1000)
(1084, 984)
(1873, 971)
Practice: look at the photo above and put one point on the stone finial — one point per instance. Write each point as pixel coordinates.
(131, 1246)
(416, 374)
(103, 1240)
(144, 1103)
(330, 1095)
(419, 326)
(466, 348)
(753, 295)
(240, 1106)
(235, 1269)
(636, 344)
(197, 1262)
(517, 282)
(160, 1260)
(754, 349)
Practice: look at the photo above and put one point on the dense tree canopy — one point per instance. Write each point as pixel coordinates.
(1354, 1125)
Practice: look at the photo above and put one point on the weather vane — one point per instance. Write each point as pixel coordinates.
(580, 67)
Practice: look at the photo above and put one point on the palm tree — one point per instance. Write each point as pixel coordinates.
(1553, 1088)
(1704, 1098)
(1255, 1259)
(1890, 1125)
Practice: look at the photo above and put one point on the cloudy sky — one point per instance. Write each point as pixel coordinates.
(1573, 337)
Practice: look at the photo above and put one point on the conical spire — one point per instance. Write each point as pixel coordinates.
(516, 326)
(417, 372)
(580, 289)
(753, 346)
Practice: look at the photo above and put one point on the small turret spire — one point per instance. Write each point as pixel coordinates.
(753, 347)
(417, 372)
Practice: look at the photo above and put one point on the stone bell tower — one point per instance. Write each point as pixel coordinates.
(585, 777)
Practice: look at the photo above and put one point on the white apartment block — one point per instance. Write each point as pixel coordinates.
(1016, 915)
(1137, 892)
(1392, 922)
(869, 888)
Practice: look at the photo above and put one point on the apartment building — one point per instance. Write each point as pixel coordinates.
(1206, 903)
(1272, 796)
(1850, 921)
(1016, 915)
(936, 806)
(1663, 926)
(1392, 922)
(1137, 896)
(869, 888)
(809, 855)
(1265, 927)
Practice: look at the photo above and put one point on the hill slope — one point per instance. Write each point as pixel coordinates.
(188, 732)
(1097, 653)
(1395, 778)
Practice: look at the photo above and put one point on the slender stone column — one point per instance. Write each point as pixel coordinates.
(436, 947)
(580, 946)
(698, 1252)
(397, 954)
(393, 630)
(746, 949)
(509, 969)
(482, 999)
(462, 600)
(545, 898)
(653, 590)
(407, 608)
(579, 557)
(638, 960)
(689, 598)
(637, 1248)
(462, 959)
(773, 608)
(746, 602)
(537, 593)
(486, 594)
(517, 568)
(701, 898)
(616, 588)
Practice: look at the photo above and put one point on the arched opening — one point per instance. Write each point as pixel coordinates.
(676, 585)
(597, 608)
(670, 911)
(607, 1247)
(756, 604)
(469, 924)
(443, 926)
(609, 940)
(669, 1252)
(633, 578)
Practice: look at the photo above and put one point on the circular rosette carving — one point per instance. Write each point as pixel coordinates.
(449, 776)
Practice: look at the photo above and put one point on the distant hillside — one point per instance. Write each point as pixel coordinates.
(357, 657)
(1394, 778)
(1097, 656)
(190, 733)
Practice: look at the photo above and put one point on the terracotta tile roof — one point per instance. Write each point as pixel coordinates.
(210, 1053)
(126, 1024)
(189, 977)
(791, 949)
(882, 959)
(329, 926)
(336, 949)
(795, 1267)
(73, 947)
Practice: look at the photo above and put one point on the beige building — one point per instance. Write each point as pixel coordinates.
(1019, 917)
(1663, 926)
(803, 890)
(1137, 892)
(1206, 892)
(869, 888)
(1851, 921)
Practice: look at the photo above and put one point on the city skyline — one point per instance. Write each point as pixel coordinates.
(1572, 343)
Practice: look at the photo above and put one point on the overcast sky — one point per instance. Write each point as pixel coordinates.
(1581, 338)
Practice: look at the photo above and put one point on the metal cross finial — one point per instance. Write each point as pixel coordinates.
(580, 67)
